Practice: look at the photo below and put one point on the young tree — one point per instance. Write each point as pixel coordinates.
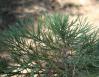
(60, 47)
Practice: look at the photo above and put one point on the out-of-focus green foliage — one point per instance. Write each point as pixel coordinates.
(58, 47)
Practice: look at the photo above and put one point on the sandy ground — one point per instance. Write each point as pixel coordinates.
(91, 11)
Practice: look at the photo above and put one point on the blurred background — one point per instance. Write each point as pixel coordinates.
(11, 10)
